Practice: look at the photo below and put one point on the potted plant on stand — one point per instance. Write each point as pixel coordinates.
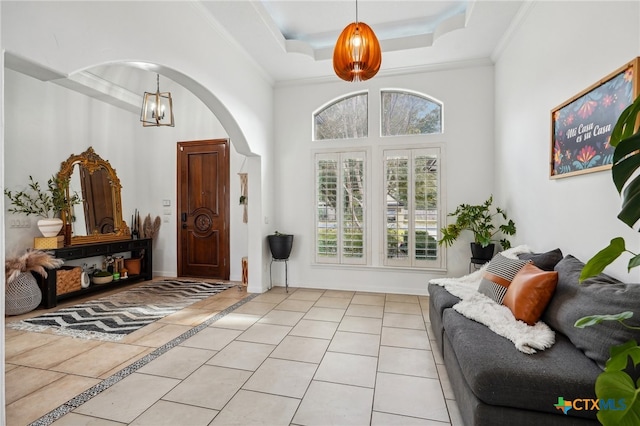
(45, 203)
(280, 245)
(479, 219)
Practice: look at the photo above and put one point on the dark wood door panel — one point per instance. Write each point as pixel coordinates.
(203, 207)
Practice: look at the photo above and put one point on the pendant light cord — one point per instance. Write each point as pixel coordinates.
(356, 11)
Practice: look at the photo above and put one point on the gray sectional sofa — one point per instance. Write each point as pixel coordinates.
(495, 384)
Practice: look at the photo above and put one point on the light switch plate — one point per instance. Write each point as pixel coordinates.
(166, 203)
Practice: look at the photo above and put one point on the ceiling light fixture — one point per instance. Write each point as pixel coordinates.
(357, 55)
(157, 108)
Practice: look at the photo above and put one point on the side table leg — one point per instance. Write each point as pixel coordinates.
(270, 275)
(286, 275)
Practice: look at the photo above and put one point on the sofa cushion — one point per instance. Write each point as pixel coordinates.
(498, 275)
(439, 300)
(598, 295)
(500, 375)
(530, 292)
(545, 261)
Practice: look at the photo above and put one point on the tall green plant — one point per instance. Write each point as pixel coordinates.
(615, 382)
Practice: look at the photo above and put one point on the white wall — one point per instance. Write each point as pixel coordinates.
(467, 95)
(2, 244)
(559, 49)
(67, 37)
(144, 158)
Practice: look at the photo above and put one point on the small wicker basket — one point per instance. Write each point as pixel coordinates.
(68, 279)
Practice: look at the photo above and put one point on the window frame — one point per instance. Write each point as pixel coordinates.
(333, 102)
(413, 93)
(374, 145)
(411, 262)
(340, 259)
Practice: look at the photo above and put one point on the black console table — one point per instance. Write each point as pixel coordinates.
(50, 297)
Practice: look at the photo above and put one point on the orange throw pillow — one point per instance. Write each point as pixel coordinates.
(530, 293)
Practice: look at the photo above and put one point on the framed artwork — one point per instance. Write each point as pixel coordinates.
(581, 127)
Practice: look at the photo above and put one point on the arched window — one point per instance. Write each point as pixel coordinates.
(405, 113)
(345, 118)
(366, 214)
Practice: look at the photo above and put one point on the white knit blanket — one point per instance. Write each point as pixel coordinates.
(498, 318)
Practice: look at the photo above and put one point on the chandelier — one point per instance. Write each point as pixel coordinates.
(157, 108)
(357, 55)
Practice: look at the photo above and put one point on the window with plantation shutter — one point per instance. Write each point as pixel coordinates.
(412, 215)
(377, 197)
(340, 208)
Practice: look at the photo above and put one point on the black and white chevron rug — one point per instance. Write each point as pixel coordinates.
(112, 317)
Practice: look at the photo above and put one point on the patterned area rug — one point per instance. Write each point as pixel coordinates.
(112, 317)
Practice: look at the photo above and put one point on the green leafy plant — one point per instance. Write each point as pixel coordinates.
(614, 381)
(479, 219)
(39, 201)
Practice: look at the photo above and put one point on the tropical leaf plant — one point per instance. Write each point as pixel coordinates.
(614, 382)
(479, 219)
(625, 137)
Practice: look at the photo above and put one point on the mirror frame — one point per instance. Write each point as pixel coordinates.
(92, 162)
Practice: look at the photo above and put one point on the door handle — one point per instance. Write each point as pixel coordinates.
(184, 217)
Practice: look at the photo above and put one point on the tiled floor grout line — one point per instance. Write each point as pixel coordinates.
(210, 322)
(105, 384)
(265, 360)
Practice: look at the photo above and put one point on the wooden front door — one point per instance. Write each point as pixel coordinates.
(203, 209)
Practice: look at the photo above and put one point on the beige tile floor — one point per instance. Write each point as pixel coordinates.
(309, 357)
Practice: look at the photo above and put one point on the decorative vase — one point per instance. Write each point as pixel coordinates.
(50, 227)
(22, 295)
(280, 245)
(482, 253)
(133, 265)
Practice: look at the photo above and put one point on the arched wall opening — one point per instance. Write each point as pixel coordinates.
(148, 146)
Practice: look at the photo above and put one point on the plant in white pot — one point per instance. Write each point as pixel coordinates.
(44, 203)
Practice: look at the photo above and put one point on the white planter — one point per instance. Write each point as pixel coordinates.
(50, 227)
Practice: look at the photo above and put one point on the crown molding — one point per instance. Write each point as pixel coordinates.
(517, 21)
(444, 66)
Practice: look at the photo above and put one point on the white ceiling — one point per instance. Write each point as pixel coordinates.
(294, 39)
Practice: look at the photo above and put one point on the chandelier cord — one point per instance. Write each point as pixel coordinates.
(158, 83)
(356, 11)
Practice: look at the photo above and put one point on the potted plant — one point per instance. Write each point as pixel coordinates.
(615, 380)
(479, 219)
(46, 203)
(280, 245)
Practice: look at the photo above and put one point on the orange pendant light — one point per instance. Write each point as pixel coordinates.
(357, 55)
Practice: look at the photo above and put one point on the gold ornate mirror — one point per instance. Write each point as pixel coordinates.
(99, 216)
